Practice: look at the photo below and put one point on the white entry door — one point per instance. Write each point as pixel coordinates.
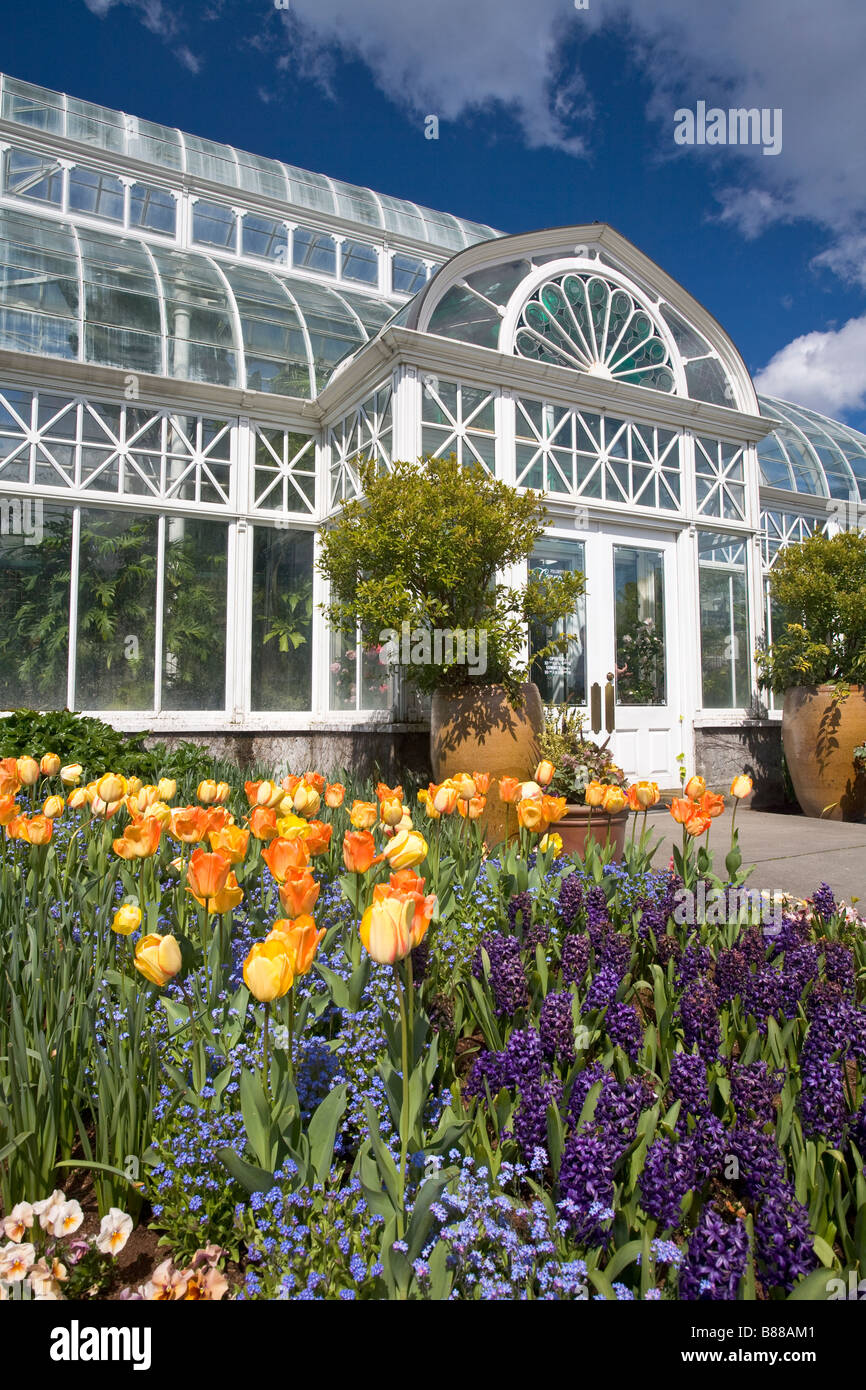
(622, 670)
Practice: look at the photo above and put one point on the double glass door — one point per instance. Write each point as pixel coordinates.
(621, 667)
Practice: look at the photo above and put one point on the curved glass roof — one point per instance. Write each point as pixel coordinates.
(810, 453)
(119, 302)
(175, 153)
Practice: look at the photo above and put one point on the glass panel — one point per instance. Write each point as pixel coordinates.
(282, 627)
(194, 633)
(640, 626)
(264, 237)
(116, 612)
(314, 251)
(35, 557)
(215, 225)
(407, 274)
(561, 677)
(152, 208)
(99, 194)
(360, 262)
(34, 176)
(349, 660)
(724, 621)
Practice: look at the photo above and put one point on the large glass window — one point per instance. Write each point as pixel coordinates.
(725, 668)
(360, 261)
(116, 611)
(408, 274)
(194, 615)
(264, 237)
(34, 176)
(97, 193)
(561, 677)
(35, 558)
(154, 209)
(639, 591)
(282, 626)
(359, 679)
(314, 251)
(213, 224)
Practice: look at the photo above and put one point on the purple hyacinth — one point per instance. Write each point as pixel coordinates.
(570, 900)
(762, 997)
(827, 1012)
(822, 1100)
(689, 1083)
(715, 1260)
(623, 1027)
(754, 1090)
(616, 951)
(695, 961)
(732, 975)
(575, 958)
(752, 944)
(823, 901)
(507, 976)
(799, 969)
(839, 966)
(519, 912)
(653, 919)
(668, 949)
(710, 1143)
(586, 1186)
(699, 1013)
(667, 1175)
(556, 1027)
(602, 989)
(783, 1239)
(857, 1131)
(597, 915)
(761, 1170)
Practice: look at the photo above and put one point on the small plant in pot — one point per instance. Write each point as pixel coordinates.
(817, 661)
(417, 563)
(592, 784)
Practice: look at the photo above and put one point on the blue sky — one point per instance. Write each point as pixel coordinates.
(548, 115)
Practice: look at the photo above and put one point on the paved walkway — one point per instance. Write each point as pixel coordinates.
(790, 852)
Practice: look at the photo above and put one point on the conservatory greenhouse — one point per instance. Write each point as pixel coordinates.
(198, 344)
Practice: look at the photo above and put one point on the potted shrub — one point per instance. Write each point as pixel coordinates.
(581, 765)
(818, 662)
(415, 564)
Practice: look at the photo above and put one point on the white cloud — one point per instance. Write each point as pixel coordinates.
(826, 371)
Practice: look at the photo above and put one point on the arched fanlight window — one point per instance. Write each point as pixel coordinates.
(583, 321)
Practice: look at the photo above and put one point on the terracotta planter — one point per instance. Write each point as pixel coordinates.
(479, 730)
(575, 826)
(820, 730)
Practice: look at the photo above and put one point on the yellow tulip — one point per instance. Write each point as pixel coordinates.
(157, 810)
(72, 774)
(464, 786)
(364, 815)
(391, 811)
(741, 786)
(306, 800)
(158, 958)
(407, 849)
(28, 771)
(206, 792)
(77, 798)
(53, 807)
(594, 794)
(111, 787)
(386, 929)
(166, 788)
(127, 919)
(544, 773)
(134, 786)
(49, 765)
(613, 801)
(553, 842)
(647, 794)
(268, 970)
(695, 788)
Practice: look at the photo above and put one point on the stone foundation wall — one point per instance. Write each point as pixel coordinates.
(754, 747)
(390, 752)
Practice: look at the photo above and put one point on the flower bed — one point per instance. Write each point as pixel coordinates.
(324, 1045)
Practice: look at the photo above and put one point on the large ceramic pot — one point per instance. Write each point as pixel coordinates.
(576, 827)
(821, 727)
(478, 729)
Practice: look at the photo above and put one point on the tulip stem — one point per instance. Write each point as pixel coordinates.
(265, 1067)
(292, 1033)
(404, 1119)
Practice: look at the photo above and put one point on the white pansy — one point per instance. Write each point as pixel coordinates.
(18, 1221)
(114, 1232)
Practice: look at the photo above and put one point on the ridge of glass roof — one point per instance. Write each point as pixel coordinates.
(119, 301)
(173, 150)
(811, 453)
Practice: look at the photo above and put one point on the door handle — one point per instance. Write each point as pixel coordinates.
(609, 705)
(595, 707)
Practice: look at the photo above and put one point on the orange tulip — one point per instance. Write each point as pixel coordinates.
(646, 794)
(158, 958)
(188, 824)
(139, 840)
(49, 765)
(157, 811)
(14, 827)
(289, 783)
(427, 802)
(301, 940)
(314, 780)
(53, 807)
(741, 786)
(317, 837)
(444, 798)
(335, 794)
(544, 773)
(386, 929)
(363, 815)
(530, 814)
(554, 808)
(613, 801)
(406, 884)
(37, 830)
(282, 855)
(698, 824)
(228, 898)
(359, 851)
(8, 808)
(681, 809)
(207, 875)
(217, 818)
(695, 788)
(263, 823)
(711, 804)
(594, 794)
(509, 788)
(386, 793)
(299, 892)
(231, 842)
(482, 782)
(28, 771)
(465, 786)
(77, 798)
(10, 782)
(474, 808)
